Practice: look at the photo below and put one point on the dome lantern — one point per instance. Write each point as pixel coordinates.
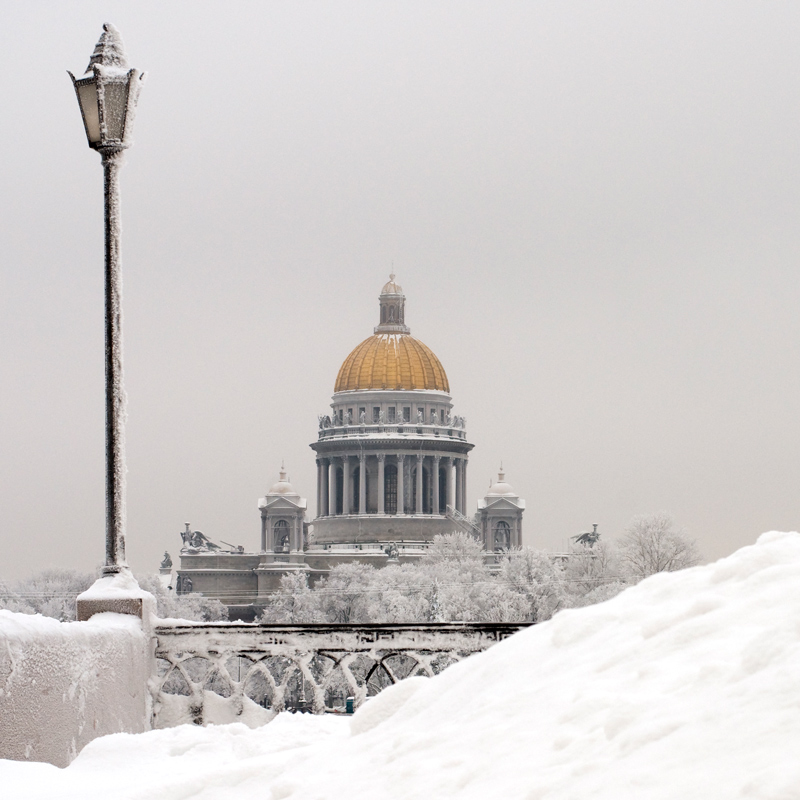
(392, 309)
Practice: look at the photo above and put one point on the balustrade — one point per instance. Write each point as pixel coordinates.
(207, 672)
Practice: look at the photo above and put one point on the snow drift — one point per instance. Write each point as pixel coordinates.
(684, 686)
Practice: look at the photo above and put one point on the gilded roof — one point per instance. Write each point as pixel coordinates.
(391, 361)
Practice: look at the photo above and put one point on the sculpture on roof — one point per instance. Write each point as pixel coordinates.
(195, 541)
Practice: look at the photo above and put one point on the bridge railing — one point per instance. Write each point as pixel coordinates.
(218, 672)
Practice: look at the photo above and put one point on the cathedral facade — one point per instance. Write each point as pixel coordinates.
(391, 474)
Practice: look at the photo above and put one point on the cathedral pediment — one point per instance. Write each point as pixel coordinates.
(275, 503)
(502, 503)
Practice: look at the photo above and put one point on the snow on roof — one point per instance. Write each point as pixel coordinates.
(684, 686)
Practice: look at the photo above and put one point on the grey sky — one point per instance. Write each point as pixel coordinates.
(592, 208)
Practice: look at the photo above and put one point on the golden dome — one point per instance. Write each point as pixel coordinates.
(391, 361)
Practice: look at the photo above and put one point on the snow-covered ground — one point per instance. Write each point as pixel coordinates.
(685, 686)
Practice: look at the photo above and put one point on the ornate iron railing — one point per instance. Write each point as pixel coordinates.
(212, 672)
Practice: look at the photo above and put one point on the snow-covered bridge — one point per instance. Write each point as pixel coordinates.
(213, 672)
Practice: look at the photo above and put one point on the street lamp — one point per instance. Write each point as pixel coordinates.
(107, 95)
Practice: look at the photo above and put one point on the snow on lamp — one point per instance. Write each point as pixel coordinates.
(107, 93)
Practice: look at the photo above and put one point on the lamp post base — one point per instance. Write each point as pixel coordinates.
(117, 594)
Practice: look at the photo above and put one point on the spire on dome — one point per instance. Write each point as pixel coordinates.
(282, 486)
(501, 487)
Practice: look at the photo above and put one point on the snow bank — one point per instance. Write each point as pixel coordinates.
(685, 686)
(63, 684)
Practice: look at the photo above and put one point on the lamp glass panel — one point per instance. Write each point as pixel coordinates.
(87, 95)
(115, 102)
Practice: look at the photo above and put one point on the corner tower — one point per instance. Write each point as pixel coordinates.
(391, 456)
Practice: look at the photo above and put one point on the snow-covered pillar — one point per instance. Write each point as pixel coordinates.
(401, 499)
(345, 484)
(420, 458)
(381, 482)
(331, 488)
(362, 484)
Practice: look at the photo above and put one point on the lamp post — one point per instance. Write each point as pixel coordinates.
(107, 95)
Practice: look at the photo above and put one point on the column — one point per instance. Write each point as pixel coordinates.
(323, 480)
(435, 478)
(401, 499)
(263, 532)
(381, 482)
(362, 484)
(459, 501)
(331, 488)
(319, 487)
(345, 484)
(450, 500)
(420, 457)
(464, 486)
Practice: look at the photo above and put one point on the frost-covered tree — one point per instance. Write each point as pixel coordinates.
(294, 602)
(456, 585)
(458, 549)
(591, 566)
(344, 595)
(11, 601)
(399, 593)
(51, 593)
(454, 578)
(651, 543)
(535, 576)
(192, 606)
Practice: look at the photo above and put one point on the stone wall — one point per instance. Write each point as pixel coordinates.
(63, 684)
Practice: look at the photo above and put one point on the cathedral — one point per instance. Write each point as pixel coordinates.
(391, 474)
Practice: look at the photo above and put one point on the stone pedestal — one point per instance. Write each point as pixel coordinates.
(117, 594)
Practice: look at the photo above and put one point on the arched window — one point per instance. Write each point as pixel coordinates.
(281, 536)
(502, 535)
(390, 489)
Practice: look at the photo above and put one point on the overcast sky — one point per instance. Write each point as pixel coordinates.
(592, 208)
